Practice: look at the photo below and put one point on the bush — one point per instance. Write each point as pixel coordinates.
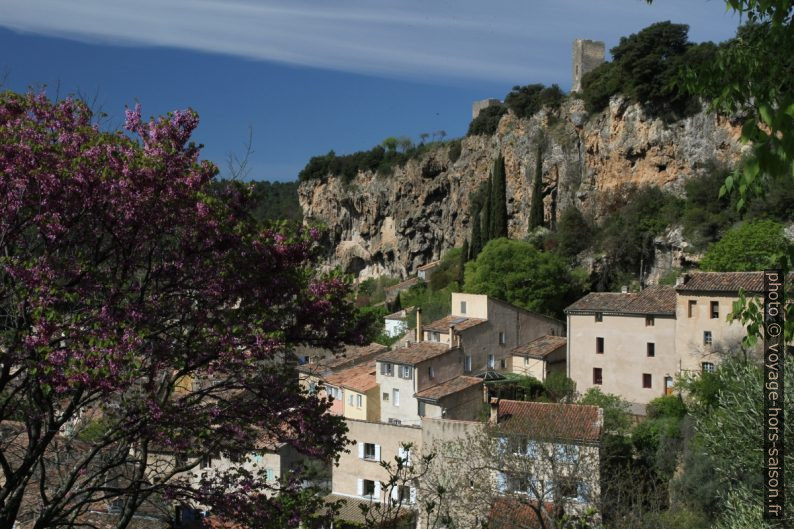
(487, 121)
(752, 246)
(573, 233)
(526, 101)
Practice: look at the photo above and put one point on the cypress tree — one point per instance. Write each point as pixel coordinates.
(536, 206)
(498, 226)
(476, 233)
(464, 256)
(486, 224)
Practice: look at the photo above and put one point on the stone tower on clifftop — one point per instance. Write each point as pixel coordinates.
(587, 56)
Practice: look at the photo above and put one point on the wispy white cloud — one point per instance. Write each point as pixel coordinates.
(498, 40)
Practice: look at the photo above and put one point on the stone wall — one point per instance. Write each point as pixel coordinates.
(587, 56)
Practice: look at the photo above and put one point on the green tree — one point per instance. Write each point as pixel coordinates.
(476, 231)
(516, 272)
(464, 257)
(487, 121)
(752, 246)
(573, 233)
(536, 207)
(498, 200)
(487, 211)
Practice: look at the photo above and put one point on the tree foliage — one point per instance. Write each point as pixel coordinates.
(487, 121)
(525, 101)
(752, 246)
(516, 272)
(498, 200)
(269, 201)
(647, 68)
(121, 278)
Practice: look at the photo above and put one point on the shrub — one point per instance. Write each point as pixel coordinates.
(455, 148)
(487, 121)
(526, 101)
(752, 246)
(573, 233)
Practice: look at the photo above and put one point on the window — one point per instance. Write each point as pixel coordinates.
(387, 369)
(370, 451)
(467, 364)
(646, 380)
(206, 462)
(651, 349)
(715, 310)
(431, 373)
(599, 346)
(691, 307)
(421, 409)
(181, 459)
(491, 362)
(359, 401)
(463, 307)
(403, 493)
(597, 376)
(395, 397)
(526, 361)
(668, 385)
(649, 321)
(395, 421)
(567, 487)
(369, 488)
(436, 336)
(271, 474)
(406, 372)
(707, 367)
(386, 396)
(599, 317)
(502, 339)
(503, 363)
(350, 399)
(706, 337)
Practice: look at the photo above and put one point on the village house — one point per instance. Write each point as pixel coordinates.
(355, 392)
(540, 357)
(487, 330)
(396, 324)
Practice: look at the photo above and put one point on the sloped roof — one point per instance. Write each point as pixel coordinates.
(360, 378)
(400, 314)
(540, 347)
(508, 512)
(450, 387)
(659, 299)
(429, 265)
(402, 285)
(728, 282)
(352, 355)
(461, 323)
(551, 421)
(415, 353)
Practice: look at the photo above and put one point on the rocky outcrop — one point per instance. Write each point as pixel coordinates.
(393, 224)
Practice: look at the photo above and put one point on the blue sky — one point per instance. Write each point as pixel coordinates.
(310, 76)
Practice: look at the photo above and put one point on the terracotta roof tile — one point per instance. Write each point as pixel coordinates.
(402, 285)
(726, 282)
(540, 347)
(551, 421)
(658, 299)
(351, 356)
(360, 378)
(449, 387)
(461, 323)
(415, 353)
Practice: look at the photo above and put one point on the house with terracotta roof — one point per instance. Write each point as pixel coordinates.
(530, 453)
(635, 344)
(425, 271)
(624, 343)
(540, 357)
(396, 323)
(487, 330)
(355, 392)
(407, 375)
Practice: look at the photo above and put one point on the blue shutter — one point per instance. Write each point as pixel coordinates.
(501, 482)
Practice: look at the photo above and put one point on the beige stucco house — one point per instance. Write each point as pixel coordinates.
(359, 473)
(624, 343)
(636, 344)
(355, 392)
(540, 357)
(487, 330)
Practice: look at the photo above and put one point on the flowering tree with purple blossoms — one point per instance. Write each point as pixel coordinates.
(122, 280)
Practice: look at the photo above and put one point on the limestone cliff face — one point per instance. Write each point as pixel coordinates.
(393, 224)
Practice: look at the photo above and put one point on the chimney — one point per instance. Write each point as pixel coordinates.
(679, 281)
(419, 332)
(494, 418)
(624, 289)
(452, 336)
